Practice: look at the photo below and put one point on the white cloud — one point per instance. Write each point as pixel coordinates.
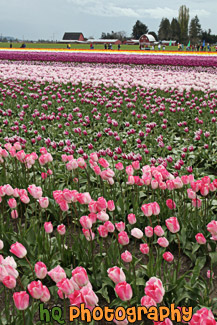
(200, 13)
(103, 8)
(158, 13)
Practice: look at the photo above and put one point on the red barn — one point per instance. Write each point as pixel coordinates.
(146, 39)
(73, 37)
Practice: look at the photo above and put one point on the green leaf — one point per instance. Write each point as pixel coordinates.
(200, 262)
(213, 256)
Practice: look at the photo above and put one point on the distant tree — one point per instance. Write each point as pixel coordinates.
(164, 32)
(208, 37)
(139, 29)
(195, 30)
(121, 35)
(175, 30)
(183, 22)
(154, 34)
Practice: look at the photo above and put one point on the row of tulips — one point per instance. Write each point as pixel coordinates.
(118, 58)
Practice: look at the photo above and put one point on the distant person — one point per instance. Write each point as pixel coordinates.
(159, 46)
(208, 47)
(105, 46)
(11, 45)
(119, 47)
(23, 45)
(152, 48)
(68, 46)
(164, 47)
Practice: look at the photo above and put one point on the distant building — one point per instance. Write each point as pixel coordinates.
(73, 38)
(131, 42)
(147, 39)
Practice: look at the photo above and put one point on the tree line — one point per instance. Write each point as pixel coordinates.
(178, 29)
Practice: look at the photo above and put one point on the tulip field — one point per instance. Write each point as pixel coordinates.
(108, 186)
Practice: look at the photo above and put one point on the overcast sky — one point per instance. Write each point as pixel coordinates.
(48, 19)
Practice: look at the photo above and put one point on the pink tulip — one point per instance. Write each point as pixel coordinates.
(148, 302)
(126, 257)
(212, 228)
(21, 300)
(191, 194)
(120, 226)
(57, 274)
(40, 270)
(155, 208)
(9, 282)
(154, 184)
(144, 248)
(103, 232)
(124, 291)
(131, 218)
(14, 214)
(200, 239)
(170, 204)
(203, 316)
(12, 203)
(76, 298)
(119, 166)
(123, 238)
(116, 274)
(154, 289)
(48, 227)
(1, 245)
(18, 250)
(94, 156)
(209, 273)
(45, 294)
(129, 170)
(137, 233)
(109, 226)
(103, 216)
(149, 231)
(103, 162)
(25, 199)
(66, 286)
(8, 190)
(61, 229)
(79, 276)
(158, 230)
(89, 235)
(163, 242)
(167, 256)
(147, 209)
(173, 225)
(89, 296)
(101, 203)
(136, 165)
(35, 289)
(111, 205)
(44, 202)
(86, 222)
